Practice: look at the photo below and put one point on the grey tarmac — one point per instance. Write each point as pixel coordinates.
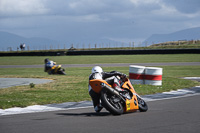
(164, 116)
(109, 65)
(10, 82)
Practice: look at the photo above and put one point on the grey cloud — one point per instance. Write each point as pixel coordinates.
(185, 6)
(78, 20)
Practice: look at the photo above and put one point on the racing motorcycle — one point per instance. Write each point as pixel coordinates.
(57, 69)
(119, 102)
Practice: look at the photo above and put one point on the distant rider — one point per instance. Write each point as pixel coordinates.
(49, 65)
(110, 77)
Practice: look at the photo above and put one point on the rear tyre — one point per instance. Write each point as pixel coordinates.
(111, 103)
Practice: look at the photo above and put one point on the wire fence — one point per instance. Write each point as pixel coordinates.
(70, 46)
(130, 45)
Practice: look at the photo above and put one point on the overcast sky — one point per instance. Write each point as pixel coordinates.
(76, 21)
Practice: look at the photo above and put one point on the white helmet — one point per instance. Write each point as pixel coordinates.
(97, 69)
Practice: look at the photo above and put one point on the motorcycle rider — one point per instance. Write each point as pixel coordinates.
(48, 66)
(110, 77)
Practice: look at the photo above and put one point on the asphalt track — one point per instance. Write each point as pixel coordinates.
(109, 65)
(164, 116)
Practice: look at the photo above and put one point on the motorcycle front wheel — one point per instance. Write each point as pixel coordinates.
(111, 103)
(142, 105)
(61, 72)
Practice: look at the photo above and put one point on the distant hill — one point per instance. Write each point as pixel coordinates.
(12, 40)
(9, 40)
(187, 34)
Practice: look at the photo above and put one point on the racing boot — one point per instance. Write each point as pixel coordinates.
(98, 108)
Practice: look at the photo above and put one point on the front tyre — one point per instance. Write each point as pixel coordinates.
(111, 103)
(61, 72)
(142, 105)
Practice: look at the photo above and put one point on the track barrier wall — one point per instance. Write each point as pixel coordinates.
(102, 52)
(134, 52)
(26, 53)
(145, 75)
(136, 74)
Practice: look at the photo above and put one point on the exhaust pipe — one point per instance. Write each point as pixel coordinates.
(111, 90)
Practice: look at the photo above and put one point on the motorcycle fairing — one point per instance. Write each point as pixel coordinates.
(131, 105)
(96, 84)
(56, 67)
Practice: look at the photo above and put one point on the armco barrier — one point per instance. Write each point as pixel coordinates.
(103, 52)
(132, 52)
(145, 75)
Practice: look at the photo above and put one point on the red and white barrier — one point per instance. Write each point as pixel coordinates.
(136, 74)
(153, 76)
(145, 75)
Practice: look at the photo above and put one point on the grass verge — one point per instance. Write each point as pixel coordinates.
(36, 60)
(74, 85)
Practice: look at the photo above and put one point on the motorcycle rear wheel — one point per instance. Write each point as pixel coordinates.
(111, 103)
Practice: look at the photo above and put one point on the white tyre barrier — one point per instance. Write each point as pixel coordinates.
(153, 76)
(136, 74)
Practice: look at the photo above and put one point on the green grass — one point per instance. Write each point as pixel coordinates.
(36, 60)
(74, 85)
